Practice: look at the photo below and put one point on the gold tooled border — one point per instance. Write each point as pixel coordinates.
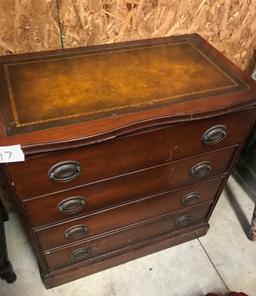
(14, 108)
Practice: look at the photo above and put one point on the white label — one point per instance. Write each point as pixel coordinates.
(11, 154)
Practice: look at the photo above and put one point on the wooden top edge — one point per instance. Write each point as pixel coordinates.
(99, 48)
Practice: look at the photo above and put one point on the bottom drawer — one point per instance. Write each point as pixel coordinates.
(122, 240)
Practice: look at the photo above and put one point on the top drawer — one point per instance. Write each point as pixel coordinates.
(57, 171)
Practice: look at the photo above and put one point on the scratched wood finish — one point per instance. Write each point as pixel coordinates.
(125, 239)
(28, 26)
(172, 174)
(124, 214)
(114, 193)
(75, 271)
(129, 153)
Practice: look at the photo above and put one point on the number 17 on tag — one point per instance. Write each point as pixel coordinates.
(12, 153)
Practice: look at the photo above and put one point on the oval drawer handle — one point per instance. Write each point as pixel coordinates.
(201, 169)
(214, 135)
(183, 220)
(80, 254)
(64, 171)
(75, 232)
(190, 198)
(71, 205)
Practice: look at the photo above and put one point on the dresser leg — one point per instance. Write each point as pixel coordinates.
(6, 270)
(252, 232)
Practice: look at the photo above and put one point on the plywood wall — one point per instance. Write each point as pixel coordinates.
(29, 25)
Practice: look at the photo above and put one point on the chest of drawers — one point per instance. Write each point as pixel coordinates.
(127, 147)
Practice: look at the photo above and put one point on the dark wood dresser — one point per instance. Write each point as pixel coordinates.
(127, 147)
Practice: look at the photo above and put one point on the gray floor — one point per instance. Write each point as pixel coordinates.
(222, 260)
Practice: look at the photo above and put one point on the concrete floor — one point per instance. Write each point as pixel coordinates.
(222, 260)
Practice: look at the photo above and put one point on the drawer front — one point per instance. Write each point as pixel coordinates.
(99, 196)
(125, 239)
(126, 214)
(62, 170)
(151, 181)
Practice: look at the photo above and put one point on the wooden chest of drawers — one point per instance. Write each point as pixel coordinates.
(127, 147)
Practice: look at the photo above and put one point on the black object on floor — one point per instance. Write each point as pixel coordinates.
(245, 174)
(6, 270)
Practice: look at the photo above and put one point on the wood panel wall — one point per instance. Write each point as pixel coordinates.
(33, 25)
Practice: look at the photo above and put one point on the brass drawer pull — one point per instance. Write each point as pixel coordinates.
(75, 232)
(183, 220)
(214, 135)
(71, 205)
(64, 171)
(201, 169)
(190, 198)
(80, 254)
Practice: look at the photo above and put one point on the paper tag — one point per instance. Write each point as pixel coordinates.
(11, 154)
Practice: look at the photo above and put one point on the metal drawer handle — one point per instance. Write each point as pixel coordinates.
(183, 220)
(71, 205)
(76, 232)
(201, 169)
(214, 135)
(80, 254)
(64, 171)
(190, 198)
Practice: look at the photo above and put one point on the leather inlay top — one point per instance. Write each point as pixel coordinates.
(89, 86)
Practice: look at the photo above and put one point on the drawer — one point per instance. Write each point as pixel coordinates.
(125, 239)
(151, 181)
(126, 214)
(54, 172)
(99, 196)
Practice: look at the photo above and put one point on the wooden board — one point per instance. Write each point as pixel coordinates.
(28, 26)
